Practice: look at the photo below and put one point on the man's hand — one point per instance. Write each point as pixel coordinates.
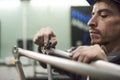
(86, 54)
(43, 35)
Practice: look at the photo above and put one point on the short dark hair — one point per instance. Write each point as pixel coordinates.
(117, 5)
(109, 1)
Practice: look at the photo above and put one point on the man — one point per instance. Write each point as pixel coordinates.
(104, 29)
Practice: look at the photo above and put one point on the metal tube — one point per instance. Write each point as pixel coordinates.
(49, 69)
(99, 63)
(60, 52)
(106, 66)
(20, 70)
(71, 66)
(18, 65)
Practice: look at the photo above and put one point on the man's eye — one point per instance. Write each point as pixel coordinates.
(104, 16)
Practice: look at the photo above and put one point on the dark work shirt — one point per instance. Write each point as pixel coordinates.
(114, 57)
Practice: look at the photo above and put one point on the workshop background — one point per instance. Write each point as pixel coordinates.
(21, 19)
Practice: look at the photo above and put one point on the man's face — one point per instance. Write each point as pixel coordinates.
(104, 24)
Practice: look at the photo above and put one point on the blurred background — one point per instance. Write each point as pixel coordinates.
(21, 19)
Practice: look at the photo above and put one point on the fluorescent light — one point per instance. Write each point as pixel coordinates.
(59, 2)
(4, 4)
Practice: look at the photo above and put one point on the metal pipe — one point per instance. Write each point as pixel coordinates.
(106, 65)
(71, 66)
(49, 70)
(59, 53)
(20, 70)
(19, 65)
(99, 63)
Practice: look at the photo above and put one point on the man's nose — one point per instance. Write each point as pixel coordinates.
(92, 22)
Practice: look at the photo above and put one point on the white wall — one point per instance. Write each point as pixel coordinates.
(54, 14)
(47, 14)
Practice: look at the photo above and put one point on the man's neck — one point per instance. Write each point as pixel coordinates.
(113, 46)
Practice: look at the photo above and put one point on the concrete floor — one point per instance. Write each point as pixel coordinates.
(10, 73)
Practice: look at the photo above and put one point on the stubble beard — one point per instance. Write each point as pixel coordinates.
(99, 42)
